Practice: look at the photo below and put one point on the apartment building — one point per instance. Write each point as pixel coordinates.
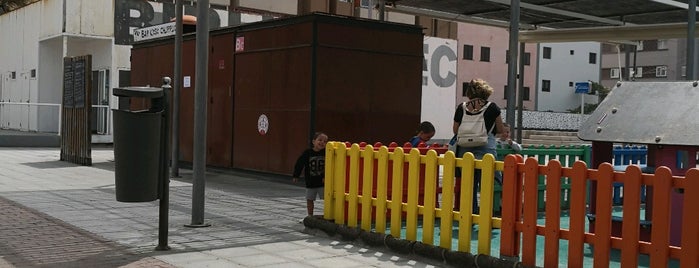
(650, 60)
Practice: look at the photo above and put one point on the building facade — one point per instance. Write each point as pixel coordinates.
(561, 65)
(651, 60)
(35, 39)
(483, 54)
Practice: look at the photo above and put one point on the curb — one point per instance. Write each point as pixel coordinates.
(316, 226)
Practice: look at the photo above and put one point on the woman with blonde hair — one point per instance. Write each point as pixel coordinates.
(478, 91)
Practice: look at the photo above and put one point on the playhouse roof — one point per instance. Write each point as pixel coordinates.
(646, 113)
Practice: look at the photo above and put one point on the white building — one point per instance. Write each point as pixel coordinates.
(560, 66)
(34, 40)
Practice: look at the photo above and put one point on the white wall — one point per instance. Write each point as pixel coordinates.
(564, 68)
(51, 18)
(32, 38)
(50, 82)
(19, 31)
(90, 17)
(439, 85)
(278, 6)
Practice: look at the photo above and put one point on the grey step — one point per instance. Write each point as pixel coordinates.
(527, 133)
(527, 142)
(555, 138)
(30, 141)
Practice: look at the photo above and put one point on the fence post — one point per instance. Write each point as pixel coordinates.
(329, 181)
(690, 247)
(509, 241)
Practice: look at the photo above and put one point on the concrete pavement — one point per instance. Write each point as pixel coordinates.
(58, 214)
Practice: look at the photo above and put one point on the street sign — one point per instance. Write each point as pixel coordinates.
(583, 87)
(155, 31)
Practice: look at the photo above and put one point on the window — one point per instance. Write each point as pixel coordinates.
(614, 73)
(524, 92)
(468, 52)
(639, 46)
(547, 53)
(570, 84)
(662, 44)
(32, 73)
(684, 70)
(464, 87)
(527, 58)
(572, 52)
(485, 54)
(364, 3)
(13, 75)
(593, 58)
(525, 95)
(638, 73)
(661, 71)
(546, 85)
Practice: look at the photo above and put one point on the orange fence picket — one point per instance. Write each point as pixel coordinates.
(690, 232)
(553, 213)
(578, 207)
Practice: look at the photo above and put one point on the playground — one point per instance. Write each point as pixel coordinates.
(604, 205)
(524, 230)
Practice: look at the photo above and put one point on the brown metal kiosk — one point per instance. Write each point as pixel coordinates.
(272, 84)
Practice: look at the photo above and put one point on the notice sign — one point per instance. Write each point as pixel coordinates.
(76, 80)
(239, 43)
(262, 124)
(68, 82)
(583, 87)
(155, 31)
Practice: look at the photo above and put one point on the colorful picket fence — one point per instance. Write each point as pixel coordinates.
(520, 214)
(628, 155)
(357, 193)
(567, 155)
(372, 208)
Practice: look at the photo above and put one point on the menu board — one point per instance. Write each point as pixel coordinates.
(74, 82)
(79, 82)
(68, 83)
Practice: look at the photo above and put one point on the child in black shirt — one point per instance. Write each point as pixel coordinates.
(312, 162)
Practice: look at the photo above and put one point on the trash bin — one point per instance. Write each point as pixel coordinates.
(137, 146)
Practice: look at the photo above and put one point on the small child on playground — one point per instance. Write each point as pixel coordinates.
(312, 162)
(504, 140)
(425, 132)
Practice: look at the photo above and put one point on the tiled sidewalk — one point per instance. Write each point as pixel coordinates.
(58, 214)
(29, 238)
